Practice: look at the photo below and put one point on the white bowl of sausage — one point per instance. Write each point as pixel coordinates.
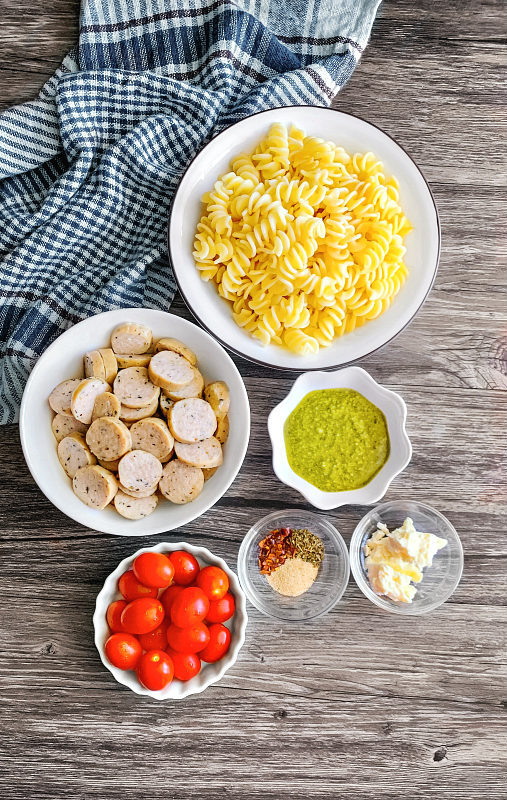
(63, 360)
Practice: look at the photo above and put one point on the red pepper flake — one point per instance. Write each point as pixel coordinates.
(274, 550)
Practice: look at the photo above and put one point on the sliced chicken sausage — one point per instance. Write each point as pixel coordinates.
(206, 454)
(83, 398)
(108, 438)
(192, 420)
(130, 415)
(61, 397)
(106, 405)
(165, 404)
(222, 431)
(133, 387)
(177, 347)
(217, 395)
(140, 492)
(73, 453)
(192, 389)
(180, 483)
(95, 486)
(62, 426)
(170, 371)
(131, 338)
(139, 471)
(134, 507)
(125, 360)
(94, 365)
(153, 436)
(110, 364)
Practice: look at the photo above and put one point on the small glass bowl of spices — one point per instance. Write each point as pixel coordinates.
(293, 565)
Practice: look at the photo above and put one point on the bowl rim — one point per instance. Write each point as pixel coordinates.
(291, 368)
(247, 542)
(326, 501)
(240, 614)
(407, 609)
(54, 496)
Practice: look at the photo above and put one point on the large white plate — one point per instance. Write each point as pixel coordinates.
(356, 135)
(63, 359)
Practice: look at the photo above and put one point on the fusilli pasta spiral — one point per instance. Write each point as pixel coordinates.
(304, 240)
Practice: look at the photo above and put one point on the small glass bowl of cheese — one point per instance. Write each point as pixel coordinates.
(381, 568)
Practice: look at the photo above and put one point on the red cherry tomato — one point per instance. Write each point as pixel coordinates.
(218, 645)
(186, 567)
(221, 610)
(167, 597)
(113, 615)
(123, 650)
(213, 581)
(188, 640)
(186, 665)
(156, 639)
(142, 615)
(189, 607)
(131, 589)
(153, 569)
(155, 670)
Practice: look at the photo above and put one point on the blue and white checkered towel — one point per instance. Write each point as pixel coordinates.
(88, 170)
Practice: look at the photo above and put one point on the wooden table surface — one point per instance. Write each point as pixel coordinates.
(361, 704)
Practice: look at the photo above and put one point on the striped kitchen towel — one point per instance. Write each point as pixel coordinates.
(88, 169)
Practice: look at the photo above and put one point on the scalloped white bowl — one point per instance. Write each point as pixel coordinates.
(210, 673)
(391, 404)
(64, 358)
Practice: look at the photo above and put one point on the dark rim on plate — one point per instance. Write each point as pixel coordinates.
(306, 367)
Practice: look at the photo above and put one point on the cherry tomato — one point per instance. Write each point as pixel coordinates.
(186, 567)
(156, 639)
(131, 589)
(189, 607)
(153, 569)
(218, 645)
(123, 650)
(213, 581)
(186, 665)
(113, 615)
(155, 670)
(188, 640)
(142, 615)
(167, 597)
(221, 610)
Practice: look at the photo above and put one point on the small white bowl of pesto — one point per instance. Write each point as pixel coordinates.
(339, 438)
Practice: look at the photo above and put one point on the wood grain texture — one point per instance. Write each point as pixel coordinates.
(362, 704)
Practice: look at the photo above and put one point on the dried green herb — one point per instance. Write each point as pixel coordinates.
(307, 545)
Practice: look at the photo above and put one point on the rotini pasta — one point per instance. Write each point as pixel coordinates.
(304, 240)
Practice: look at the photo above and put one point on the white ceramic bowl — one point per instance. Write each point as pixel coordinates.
(356, 135)
(63, 359)
(390, 403)
(210, 673)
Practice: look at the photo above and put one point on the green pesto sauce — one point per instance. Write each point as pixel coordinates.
(336, 439)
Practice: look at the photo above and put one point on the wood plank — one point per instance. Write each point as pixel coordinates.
(370, 664)
(360, 748)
